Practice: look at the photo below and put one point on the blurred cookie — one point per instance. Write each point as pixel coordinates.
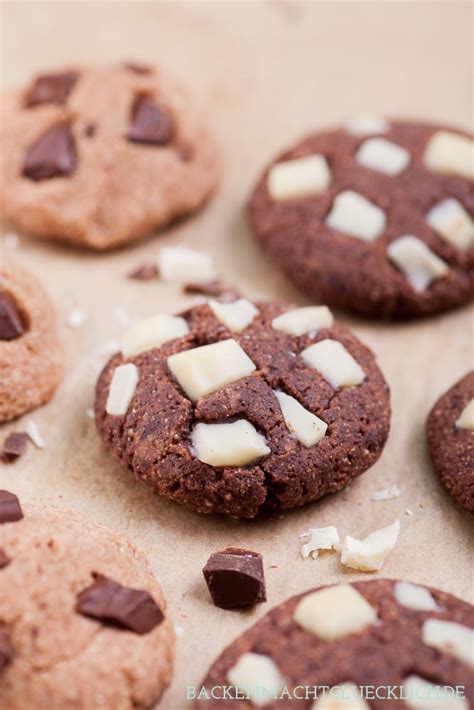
(100, 156)
(31, 356)
(450, 431)
(83, 616)
(374, 217)
(328, 647)
(239, 407)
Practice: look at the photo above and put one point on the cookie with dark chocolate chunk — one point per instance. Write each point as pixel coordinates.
(239, 407)
(375, 217)
(450, 432)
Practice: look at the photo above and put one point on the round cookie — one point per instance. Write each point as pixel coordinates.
(379, 634)
(220, 410)
(31, 356)
(100, 156)
(79, 633)
(450, 432)
(374, 217)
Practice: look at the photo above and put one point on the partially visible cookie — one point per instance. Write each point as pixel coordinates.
(450, 432)
(347, 640)
(239, 407)
(83, 616)
(31, 356)
(375, 217)
(100, 156)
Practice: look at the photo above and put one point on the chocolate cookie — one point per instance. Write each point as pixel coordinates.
(374, 217)
(100, 156)
(236, 408)
(31, 356)
(450, 432)
(350, 640)
(83, 616)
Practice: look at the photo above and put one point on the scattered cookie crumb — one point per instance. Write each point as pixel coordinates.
(215, 288)
(409, 511)
(34, 434)
(14, 446)
(386, 494)
(144, 272)
(76, 318)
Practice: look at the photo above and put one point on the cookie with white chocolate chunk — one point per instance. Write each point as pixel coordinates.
(374, 217)
(242, 407)
(349, 646)
(450, 432)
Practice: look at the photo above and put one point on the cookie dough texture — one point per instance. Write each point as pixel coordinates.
(154, 438)
(117, 184)
(386, 652)
(62, 658)
(451, 446)
(335, 257)
(31, 364)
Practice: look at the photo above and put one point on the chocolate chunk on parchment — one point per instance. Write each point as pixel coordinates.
(235, 578)
(4, 559)
(53, 154)
(10, 509)
(51, 89)
(14, 446)
(111, 603)
(216, 289)
(11, 324)
(138, 68)
(6, 650)
(150, 122)
(145, 272)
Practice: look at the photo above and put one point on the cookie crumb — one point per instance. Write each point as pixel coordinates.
(76, 318)
(215, 288)
(387, 493)
(14, 446)
(409, 511)
(34, 434)
(144, 272)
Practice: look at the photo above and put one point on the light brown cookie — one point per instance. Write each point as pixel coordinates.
(62, 651)
(31, 356)
(100, 156)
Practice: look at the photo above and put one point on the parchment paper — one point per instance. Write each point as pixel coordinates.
(267, 73)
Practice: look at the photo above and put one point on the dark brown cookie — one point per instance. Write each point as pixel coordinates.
(159, 423)
(349, 638)
(350, 250)
(450, 432)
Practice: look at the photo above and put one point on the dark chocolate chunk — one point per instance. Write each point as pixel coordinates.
(235, 578)
(51, 89)
(11, 325)
(150, 123)
(145, 272)
(53, 154)
(111, 603)
(216, 289)
(10, 509)
(138, 68)
(14, 446)
(6, 650)
(4, 559)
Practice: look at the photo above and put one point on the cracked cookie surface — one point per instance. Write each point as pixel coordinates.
(101, 156)
(61, 658)
(155, 437)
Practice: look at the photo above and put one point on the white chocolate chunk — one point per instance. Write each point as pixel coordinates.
(31, 428)
(152, 333)
(257, 675)
(369, 554)
(320, 539)
(449, 152)
(466, 420)
(236, 315)
(308, 319)
(367, 125)
(122, 388)
(451, 221)
(334, 612)
(450, 637)
(334, 362)
(422, 695)
(205, 369)
(299, 177)
(383, 155)
(417, 262)
(355, 215)
(345, 696)
(179, 264)
(233, 444)
(306, 426)
(415, 597)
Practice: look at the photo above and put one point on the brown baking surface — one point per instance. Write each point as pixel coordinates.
(268, 72)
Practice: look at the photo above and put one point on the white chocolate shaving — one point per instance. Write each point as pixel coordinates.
(320, 539)
(369, 554)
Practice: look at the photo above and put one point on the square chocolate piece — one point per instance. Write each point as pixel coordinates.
(235, 578)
